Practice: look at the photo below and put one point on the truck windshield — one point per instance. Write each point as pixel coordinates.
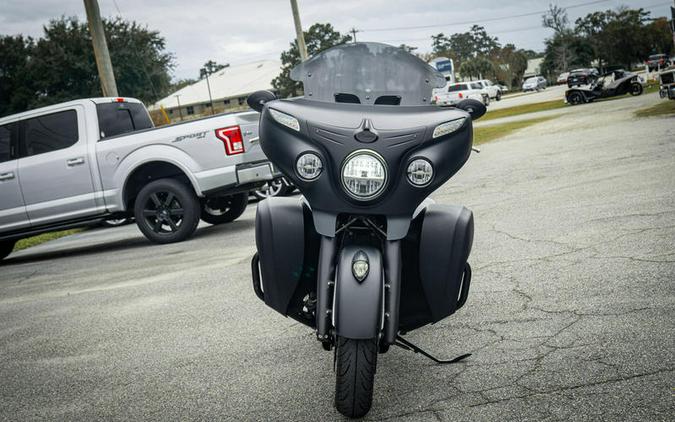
(118, 118)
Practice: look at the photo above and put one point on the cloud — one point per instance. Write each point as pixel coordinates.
(239, 31)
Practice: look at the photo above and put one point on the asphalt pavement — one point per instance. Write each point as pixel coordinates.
(571, 314)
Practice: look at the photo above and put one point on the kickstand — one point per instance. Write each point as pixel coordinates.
(406, 345)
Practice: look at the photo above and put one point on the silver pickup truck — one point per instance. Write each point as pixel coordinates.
(69, 164)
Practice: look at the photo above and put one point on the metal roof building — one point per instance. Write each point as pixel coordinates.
(229, 88)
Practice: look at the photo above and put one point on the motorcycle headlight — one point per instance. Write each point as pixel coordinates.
(420, 172)
(448, 127)
(285, 119)
(364, 174)
(308, 166)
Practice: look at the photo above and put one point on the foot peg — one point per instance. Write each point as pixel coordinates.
(406, 345)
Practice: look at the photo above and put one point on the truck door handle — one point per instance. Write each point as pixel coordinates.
(7, 176)
(75, 161)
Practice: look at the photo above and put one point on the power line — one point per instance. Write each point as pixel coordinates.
(405, 28)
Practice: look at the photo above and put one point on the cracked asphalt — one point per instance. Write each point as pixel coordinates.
(571, 314)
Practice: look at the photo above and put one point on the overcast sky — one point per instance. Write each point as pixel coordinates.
(242, 31)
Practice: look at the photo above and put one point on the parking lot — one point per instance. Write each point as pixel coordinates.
(571, 313)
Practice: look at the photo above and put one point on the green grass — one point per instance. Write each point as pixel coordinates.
(485, 134)
(524, 109)
(42, 238)
(663, 108)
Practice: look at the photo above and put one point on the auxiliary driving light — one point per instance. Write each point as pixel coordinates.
(308, 166)
(364, 174)
(448, 127)
(420, 172)
(360, 266)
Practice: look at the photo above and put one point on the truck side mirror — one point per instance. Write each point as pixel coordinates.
(258, 99)
(475, 108)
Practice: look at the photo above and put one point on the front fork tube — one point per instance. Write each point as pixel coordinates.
(324, 288)
(326, 283)
(392, 289)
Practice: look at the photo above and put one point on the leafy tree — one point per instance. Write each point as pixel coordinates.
(510, 64)
(210, 68)
(565, 49)
(318, 37)
(60, 66)
(464, 46)
(15, 94)
(478, 67)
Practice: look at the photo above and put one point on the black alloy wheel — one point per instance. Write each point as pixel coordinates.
(575, 98)
(224, 209)
(166, 211)
(635, 89)
(276, 187)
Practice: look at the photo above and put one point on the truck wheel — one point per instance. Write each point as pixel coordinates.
(6, 248)
(276, 187)
(224, 209)
(356, 362)
(166, 211)
(499, 96)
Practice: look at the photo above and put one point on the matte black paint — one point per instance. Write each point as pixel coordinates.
(358, 305)
(328, 131)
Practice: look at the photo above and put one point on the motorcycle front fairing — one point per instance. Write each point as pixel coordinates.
(366, 96)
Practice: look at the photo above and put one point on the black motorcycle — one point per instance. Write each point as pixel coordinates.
(364, 257)
(612, 84)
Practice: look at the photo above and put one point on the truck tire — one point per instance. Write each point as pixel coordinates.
(6, 248)
(356, 363)
(167, 211)
(276, 187)
(224, 209)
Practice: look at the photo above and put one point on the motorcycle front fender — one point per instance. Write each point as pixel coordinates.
(358, 309)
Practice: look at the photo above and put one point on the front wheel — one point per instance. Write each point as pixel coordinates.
(224, 209)
(635, 89)
(6, 248)
(575, 98)
(356, 362)
(167, 211)
(499, 96)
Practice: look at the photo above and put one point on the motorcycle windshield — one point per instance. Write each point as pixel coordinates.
(368, 73)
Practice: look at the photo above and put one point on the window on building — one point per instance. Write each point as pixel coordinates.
(171, 111)
(242, 100)
(226, 102)
(49, 133)
(207, 105)
(190, 110)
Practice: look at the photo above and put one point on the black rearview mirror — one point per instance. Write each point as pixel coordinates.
(258, 99)
(474, 107)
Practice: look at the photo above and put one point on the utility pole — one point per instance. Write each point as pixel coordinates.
(298, 31)
(208, 86)
(101, 53)
(353, 32)
(180, 110)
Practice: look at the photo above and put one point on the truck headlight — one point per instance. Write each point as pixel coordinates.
(364, 174)
(420, 172)
(308, 166)
(285, 119)
(448, 127)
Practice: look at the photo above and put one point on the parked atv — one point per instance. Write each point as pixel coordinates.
(613, 84)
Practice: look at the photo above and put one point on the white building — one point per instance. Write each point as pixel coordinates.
(533, 67)
(229, 89)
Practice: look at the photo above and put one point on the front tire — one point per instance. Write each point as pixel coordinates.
(224, 209)
(635, 89)
(6, 248)
(167, 211)
(575, 98)
(499, 96)
(356, 363)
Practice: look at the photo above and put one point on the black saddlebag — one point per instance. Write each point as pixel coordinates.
(436, 275)
(284, 269)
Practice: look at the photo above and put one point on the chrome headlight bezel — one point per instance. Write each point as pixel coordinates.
(448, 127)
(431, 176)
(383, 164)
(318, 172)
